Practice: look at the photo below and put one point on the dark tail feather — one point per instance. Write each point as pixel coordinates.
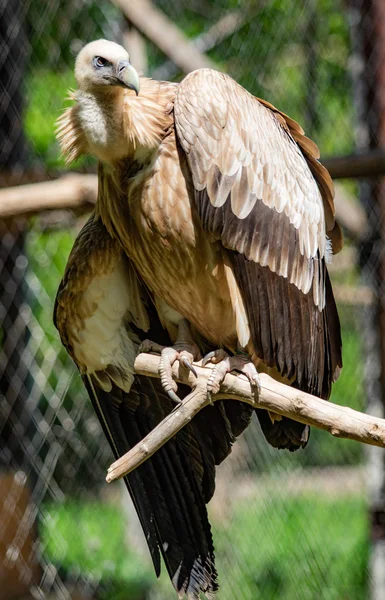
(284, 434)
(168, 489)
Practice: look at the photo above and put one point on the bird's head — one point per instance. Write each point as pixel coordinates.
(103, 65)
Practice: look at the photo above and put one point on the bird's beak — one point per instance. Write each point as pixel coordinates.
(127, 76)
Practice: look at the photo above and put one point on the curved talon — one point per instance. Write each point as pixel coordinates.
(256, 384)
(207, 358)
(216, 356)
(173, 396)
(189, 366)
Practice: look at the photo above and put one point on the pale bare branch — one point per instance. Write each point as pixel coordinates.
(340, 421)
(75, 191)
(166, 35)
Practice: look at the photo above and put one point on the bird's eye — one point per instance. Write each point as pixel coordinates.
(99, 61)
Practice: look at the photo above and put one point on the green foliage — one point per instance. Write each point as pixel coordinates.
(47, 91)
(48, 254)
(298, 60)
(295, 58)
(59, 29)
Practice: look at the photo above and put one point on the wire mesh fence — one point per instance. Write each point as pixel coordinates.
(285, 526)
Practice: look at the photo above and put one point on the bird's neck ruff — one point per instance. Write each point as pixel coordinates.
(116, 125)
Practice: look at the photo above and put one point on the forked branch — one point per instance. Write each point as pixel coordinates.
(340, 421)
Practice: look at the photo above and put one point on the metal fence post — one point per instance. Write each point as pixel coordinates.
(368, 33)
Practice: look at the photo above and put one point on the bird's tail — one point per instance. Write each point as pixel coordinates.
(285, 433)
(168, 490)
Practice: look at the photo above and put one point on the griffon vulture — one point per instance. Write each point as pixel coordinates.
(211, 234)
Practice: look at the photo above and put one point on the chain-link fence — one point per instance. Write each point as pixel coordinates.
(290, 526)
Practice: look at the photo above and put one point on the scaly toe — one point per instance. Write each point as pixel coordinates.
(167, 358)
(149, 346)
(252, 374)
(217, 375)
(225, 364)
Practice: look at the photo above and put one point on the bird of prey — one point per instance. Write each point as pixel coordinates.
(213, 226)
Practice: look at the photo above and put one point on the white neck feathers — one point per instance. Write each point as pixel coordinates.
(114, 125)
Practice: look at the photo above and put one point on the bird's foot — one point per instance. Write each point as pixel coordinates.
(183, 351)
(225, 364)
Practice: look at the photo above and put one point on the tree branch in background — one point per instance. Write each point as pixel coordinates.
(350, 213)
(221, 30)
(354, 166)
(340, 421)
(136, 46)
(75, 191)
(162, 32)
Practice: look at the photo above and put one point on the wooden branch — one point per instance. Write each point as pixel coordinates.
(135, 44)
(224, 28)
(353, 295)
(75, 191)
(162, 32)
(350, 213)
(355, 166)
(340, 421)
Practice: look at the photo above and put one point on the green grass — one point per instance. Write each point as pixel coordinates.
(89, 538)
(308, 547)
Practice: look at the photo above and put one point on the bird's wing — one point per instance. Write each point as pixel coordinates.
(102, 313)
(260, 190)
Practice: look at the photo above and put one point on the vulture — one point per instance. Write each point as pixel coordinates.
(211, 235)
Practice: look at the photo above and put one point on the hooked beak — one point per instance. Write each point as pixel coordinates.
(127, 76)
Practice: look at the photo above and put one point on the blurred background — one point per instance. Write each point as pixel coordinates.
(293, 527)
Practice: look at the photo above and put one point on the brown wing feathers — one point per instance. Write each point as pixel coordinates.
(288, 330)
(321, 175)
(274, 230)
(265, 236)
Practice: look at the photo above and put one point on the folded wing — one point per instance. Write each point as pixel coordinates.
(259, 189)
(103, 312)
